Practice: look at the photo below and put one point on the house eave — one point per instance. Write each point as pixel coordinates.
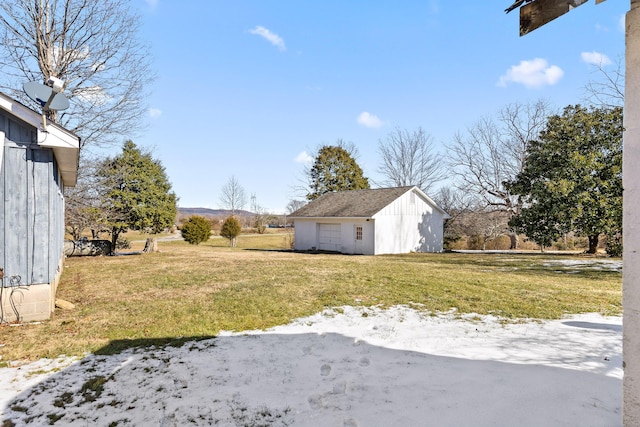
(65, 145)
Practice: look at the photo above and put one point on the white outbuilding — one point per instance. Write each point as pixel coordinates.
(370, 222)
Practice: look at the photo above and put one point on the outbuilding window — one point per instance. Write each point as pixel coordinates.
(358, 232)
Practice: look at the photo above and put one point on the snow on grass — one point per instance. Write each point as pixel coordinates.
(350, 366)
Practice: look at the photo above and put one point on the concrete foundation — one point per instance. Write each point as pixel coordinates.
(32, 303)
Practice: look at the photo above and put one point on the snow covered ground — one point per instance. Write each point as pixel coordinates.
(343, 367)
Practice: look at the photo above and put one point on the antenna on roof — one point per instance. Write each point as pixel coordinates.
(49, 96)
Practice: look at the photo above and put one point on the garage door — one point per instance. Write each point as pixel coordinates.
(329, 237)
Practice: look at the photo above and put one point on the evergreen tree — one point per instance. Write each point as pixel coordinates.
(196, 229)
(137, 193)
(230, 230)
(572, 180)
(334, 169)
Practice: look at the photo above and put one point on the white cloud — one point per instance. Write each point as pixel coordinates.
(303, 157)
(622, 23)
(595, 58)
(532, 74)
(154, 113)
(369, 120)
(272, 38)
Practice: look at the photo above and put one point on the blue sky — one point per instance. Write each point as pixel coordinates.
(250, 88)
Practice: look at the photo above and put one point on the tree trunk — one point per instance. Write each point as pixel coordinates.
(515, 241)
(151, 245)
(114, 240)
(593, 244)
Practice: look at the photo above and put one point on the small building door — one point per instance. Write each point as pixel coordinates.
(329, 237)
(358, 231)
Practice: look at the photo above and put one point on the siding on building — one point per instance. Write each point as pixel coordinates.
(31, 219)
(394, 220)
(409, 224)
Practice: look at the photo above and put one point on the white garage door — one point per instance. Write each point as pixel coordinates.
(329, 237)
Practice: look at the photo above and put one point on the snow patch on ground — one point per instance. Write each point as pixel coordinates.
(349, 366)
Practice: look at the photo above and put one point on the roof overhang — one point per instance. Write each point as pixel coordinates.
(65, 145)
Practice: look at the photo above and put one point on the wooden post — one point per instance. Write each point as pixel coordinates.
(631, 221)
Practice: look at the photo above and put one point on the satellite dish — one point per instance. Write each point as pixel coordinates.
(47, 97)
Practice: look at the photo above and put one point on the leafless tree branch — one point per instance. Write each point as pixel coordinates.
(408, 158)
(233, 196)
(93, 47)
(608, 89)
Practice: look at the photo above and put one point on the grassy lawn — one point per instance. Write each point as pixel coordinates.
(196, 291)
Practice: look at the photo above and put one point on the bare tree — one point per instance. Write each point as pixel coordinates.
(294, 205)
(259, 215)
(84, 203)
(607, 90)
(493, 152)
(233, 196)
(90, 45)
(408, 159)
(456, 203)
(485, 225)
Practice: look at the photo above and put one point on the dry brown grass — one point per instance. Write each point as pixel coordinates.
(196, 291)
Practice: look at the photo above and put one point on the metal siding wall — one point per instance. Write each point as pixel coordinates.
(40, 208)
(305, 234)
(15, 212)
(19, 132)
(3, 215)
(31, 234)
(403, 227)
(57, 221)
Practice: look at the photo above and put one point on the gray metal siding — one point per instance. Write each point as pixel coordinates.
(2, 205)
(40, 205)
(32, 209)
(15, 213)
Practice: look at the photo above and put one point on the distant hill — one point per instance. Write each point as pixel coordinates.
(205, 212)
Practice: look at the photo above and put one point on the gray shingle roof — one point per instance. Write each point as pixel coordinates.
(350, 204)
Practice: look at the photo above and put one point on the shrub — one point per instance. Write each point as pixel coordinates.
(196, 230)
(614, 245)
(500, 243)
(123, 243)
(290, 239)
(230, 230)
(474, 242)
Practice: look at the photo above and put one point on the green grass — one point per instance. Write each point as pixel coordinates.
(185, 292)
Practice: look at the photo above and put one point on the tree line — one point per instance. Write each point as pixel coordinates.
(528, 171)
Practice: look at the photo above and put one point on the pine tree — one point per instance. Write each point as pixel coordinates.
(196, 229)
(230, 230)
(137, 193)
(335, 169)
